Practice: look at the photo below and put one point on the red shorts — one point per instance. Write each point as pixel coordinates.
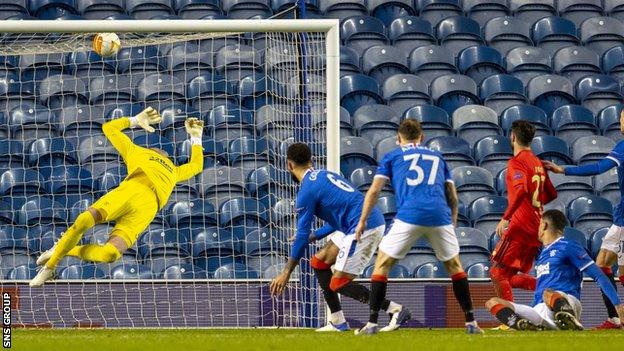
(513, 254)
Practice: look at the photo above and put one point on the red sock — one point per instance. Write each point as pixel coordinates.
(502, 286)
(621, 278)
(523, 281)
(606, 270)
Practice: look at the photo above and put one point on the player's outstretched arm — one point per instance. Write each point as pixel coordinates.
(603, 282)
(113, 129)
(587, 170)
(370, 200)
(195, 129)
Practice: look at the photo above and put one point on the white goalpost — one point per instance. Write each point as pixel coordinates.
(207, 258)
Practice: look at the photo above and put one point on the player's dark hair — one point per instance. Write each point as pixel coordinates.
(299, 154)
(410, 129)
(556, 218)
(524, 131)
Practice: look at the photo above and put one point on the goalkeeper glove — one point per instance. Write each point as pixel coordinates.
(145, 118)
(195, 128)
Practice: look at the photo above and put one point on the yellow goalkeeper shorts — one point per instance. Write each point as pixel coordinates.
(132, 205)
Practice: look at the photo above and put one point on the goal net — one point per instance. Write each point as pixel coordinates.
(207, 258)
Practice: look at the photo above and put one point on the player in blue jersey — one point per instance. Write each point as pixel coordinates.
(426, 207)
(611, 250)
(560, 268)
(331, 198)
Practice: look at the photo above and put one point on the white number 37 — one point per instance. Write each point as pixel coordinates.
(420, 173)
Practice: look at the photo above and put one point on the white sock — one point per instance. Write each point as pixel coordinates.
(369, 324)
(337, 318)
(473, 323)
(394, 307)
(615, 320)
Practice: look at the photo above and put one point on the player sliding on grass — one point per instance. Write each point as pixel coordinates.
(331, 198)
(560, 269)
(613, 242)
(426, 207)
(134, 203)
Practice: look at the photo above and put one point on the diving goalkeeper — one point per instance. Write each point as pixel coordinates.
(134, 203)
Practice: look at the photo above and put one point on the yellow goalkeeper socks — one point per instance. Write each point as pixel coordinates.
(96, 253)
(71, 238)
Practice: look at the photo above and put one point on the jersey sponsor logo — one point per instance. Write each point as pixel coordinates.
(161, 162)
(542, 269)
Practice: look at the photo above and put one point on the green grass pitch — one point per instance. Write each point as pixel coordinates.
(303, 340)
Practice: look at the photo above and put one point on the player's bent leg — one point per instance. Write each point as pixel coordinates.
(461, 289)
(506, 313)
(605, 259)
(565, 316)
(321, 263)
(379, 285)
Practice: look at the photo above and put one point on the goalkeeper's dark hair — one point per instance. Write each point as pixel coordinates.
(556, 219)
(410, 129)
(524, 131)
(299, 154)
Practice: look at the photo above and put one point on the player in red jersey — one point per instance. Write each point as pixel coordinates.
(529, 189)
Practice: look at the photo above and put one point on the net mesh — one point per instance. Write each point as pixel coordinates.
(206, 257)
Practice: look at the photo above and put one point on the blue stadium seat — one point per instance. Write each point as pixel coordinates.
(456, 151)
(77, 208)
(591, 149)
(362, 178)
(260, 242)
(283, 214)
(268, 181)
(431, 271)
(387, 206)
(410, 32)
(207, 91)
(418, 257)
(13, 240)
(218, 184)
(41, 210)
(614, 8)
(385, 146)
(502, 91)
(535, 115)
(482, 12)
(237, 61)
(311, 6)
(607, 186)
(389, 10)
(554, 33)
(349, 61)
(228, 122)
(155, 87)
(51, 9)
(6, 213)
(397, 271)
(493, 153)
(506, 33)
(111, 177)
(472, 183)
(139, 59)
(43, 237)
(256, 91)
(421, 245)
(571, 122)
(343, 9)
(235, 271)
(47, 153)
(361, 32)
(457, 33)
(431, 61)
(597, 92)
(62, 90)
(613, 63)
(549, 92)
(11, 154)
(576, 62)
(10, 261)
(578, 11)
(84, 271)
(37, 67)
(20, 182)
(173, 117)
(131, 271)
(319, 122)
(474, 246)
(69, 180)
(357, 90)
(588, 213)
(196, 9)
(601, 34)
(376, 122)
(434, 11)
(100, 9)
(527, 62)
(480, 62)
(383, 61)
(571, 187)
(187, 61)
(111, 89)
(595, 241)
(158, 263)
(248, 153)
(243, 212)
(478, 270)
(215, 241)
(404, 91)
(434, 120)
(487, 211)
(75, 121)
(573, 234)
(276, 120)
(355, 152)
(184, 271)
(87, 64)
(453, 91)
(13, 8)
(530, 11)
(147, 9)
(551, 148)
(609, 121)
(29, 122)
(22, 272)
(474, 122)
(158, 243)
(191, 214)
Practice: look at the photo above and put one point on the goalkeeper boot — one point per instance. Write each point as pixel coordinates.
(45, 256)
(331, 327)
(398, 318)
(42, 276)
(368, 329)
(566, 321)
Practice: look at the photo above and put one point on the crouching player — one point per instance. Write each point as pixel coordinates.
(331, 198)
(134, 203)
(560, 268)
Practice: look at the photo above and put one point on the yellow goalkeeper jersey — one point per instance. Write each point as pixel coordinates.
(160, 170)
